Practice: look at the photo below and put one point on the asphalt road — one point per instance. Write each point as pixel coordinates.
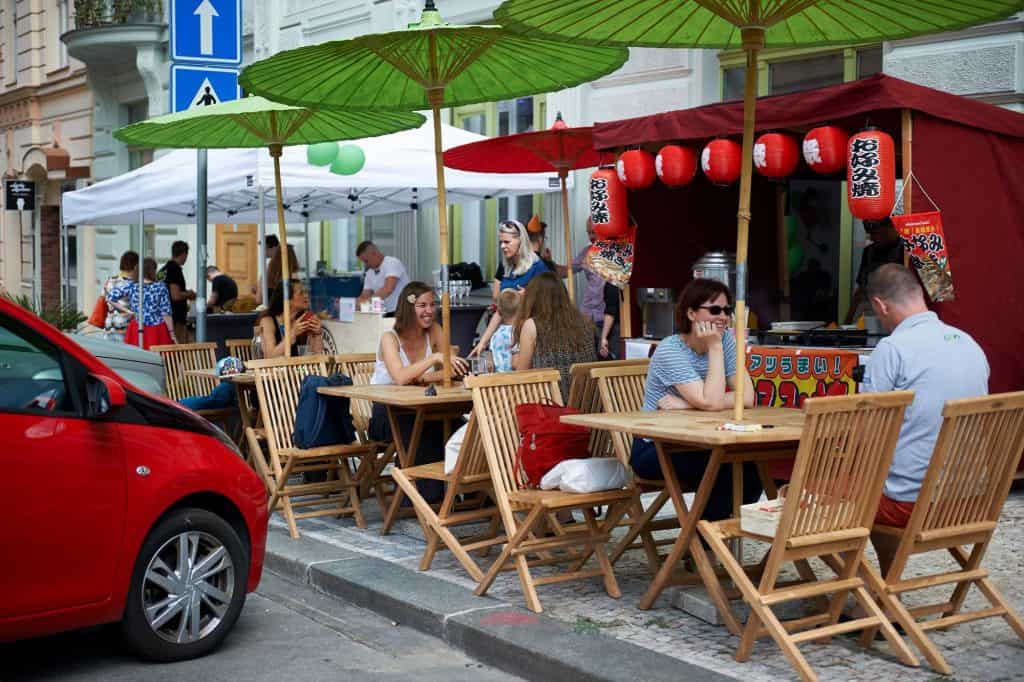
(285, 632)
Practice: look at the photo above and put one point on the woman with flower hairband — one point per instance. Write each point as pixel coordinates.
(406, 356)
(520, 264)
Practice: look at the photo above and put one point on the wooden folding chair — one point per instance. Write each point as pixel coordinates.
(495, 398)
(277, 384)
(239, 348)
(583, 388)
(469, 476)
(183, 357)
(359, 367)
(621, 389)
(845, 451)
(958, 506)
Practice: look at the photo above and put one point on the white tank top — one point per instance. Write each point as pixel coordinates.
(381, 376)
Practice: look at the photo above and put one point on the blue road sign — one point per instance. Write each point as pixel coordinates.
(197, 86)
(208, 31)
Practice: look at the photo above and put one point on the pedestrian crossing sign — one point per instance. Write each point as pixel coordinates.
(194, 87)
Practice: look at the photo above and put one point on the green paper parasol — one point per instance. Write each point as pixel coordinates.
(257, 122)
(752, 25)
(430, 64)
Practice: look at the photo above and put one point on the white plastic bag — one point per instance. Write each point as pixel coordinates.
(452, 447)
(585, 475)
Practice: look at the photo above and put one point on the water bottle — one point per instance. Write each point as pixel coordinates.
(257, 344)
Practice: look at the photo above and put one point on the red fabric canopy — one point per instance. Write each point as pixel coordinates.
(968, 155)
(541, 151)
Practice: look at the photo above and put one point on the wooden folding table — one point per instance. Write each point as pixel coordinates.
(678, 433)
(446, 405)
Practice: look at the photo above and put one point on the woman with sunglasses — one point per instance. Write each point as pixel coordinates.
(520, 264)
(696, 369)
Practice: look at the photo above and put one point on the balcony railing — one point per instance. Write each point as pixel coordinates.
(96, 13)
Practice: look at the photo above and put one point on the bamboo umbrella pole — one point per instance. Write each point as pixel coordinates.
(753, 41)
(436, 97)
(907, 142)
(562, 175)
(275, 153)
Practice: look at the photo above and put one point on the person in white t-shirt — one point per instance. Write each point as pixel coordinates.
(385, 275)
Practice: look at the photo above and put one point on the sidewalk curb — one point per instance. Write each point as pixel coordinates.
(518, 641)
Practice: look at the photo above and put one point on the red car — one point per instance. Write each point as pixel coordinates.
(116, 505)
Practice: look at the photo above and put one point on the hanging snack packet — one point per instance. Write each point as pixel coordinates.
(924, 240)
(612, 259)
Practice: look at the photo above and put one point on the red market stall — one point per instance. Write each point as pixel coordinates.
(969, 156)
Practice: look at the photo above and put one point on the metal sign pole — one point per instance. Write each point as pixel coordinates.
(201, 240)
(139, 316)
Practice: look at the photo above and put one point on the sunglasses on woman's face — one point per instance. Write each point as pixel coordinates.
(718, 309)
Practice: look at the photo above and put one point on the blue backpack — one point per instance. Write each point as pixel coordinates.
(320, 419)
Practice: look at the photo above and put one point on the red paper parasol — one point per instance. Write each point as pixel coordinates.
(560, 149)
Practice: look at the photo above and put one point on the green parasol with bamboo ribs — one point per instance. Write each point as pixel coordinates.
(752, 25)
(431, 64)
(257, 122)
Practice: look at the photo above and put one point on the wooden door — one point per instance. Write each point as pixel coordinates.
(237, 255)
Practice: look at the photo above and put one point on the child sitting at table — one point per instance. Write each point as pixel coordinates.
(502, 346)
(502, 343)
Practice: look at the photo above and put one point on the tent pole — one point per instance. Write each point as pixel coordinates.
(286, 275)
(139, 317)
(753, 40)
(309, 266)
(200, 305)
(436, 97)
(261, 247)
(907, 142)
(567, 230)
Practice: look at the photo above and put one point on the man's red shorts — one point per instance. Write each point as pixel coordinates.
(893, 513)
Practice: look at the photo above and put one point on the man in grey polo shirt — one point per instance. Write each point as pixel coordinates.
(922, 354)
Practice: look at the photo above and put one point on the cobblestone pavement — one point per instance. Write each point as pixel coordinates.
(983, 651)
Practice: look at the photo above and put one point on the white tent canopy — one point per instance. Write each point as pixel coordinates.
(399, 171)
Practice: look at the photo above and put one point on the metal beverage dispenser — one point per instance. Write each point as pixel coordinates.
(658, 307)
(717, 265)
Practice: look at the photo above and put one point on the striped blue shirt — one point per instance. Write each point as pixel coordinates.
(676, 363)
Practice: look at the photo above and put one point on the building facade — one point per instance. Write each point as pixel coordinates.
(45, 138)
(117, 69)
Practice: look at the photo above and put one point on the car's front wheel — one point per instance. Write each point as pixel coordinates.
(188, 587)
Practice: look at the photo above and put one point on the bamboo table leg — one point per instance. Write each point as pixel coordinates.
(687, 519)
(406, 457)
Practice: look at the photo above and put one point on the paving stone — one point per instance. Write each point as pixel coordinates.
(985, 651)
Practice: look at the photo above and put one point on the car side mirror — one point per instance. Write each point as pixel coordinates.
(105, 395)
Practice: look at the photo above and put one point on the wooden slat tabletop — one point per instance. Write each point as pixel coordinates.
(243, 378)
(402, 396)
(698, 427)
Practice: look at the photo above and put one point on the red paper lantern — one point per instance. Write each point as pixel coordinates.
(636, 169)
(775, 155)
(720, 161)
(675, 165)
(871, 175)
(608, 211)
(825, 149)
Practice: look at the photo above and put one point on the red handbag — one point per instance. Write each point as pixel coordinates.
(545, 440)
(98, 318)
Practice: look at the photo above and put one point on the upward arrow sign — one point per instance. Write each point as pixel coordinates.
(206, 12)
